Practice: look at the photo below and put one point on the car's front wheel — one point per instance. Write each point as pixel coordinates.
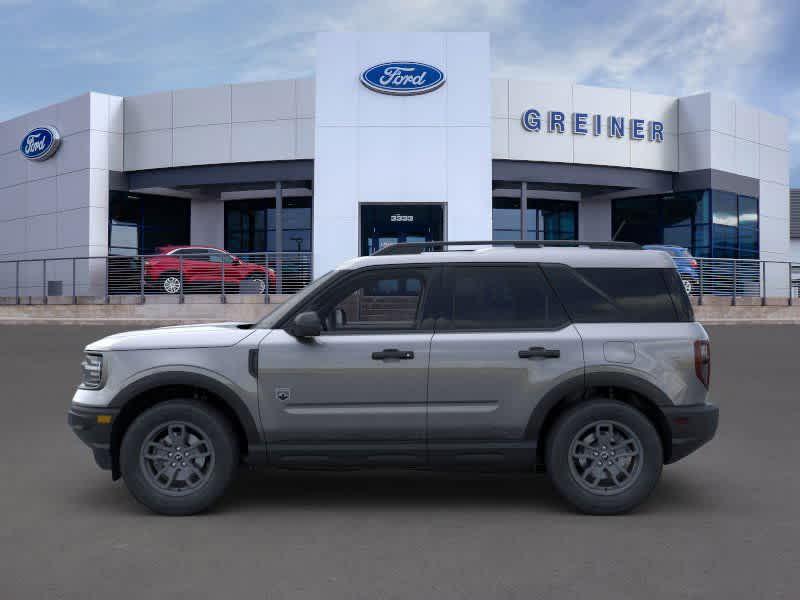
(178, 457)
(604, 457)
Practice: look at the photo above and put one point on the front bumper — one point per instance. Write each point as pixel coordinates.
(93, 427)
(691, 427)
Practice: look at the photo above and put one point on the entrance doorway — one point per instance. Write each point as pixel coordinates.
(385, 224)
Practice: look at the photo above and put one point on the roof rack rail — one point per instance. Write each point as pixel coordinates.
(420, 247)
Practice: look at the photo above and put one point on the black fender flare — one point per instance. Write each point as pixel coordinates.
(578, 385)
(256, 445)
(629, 381)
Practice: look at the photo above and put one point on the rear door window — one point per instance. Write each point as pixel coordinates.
(604, 295)
(497, 297)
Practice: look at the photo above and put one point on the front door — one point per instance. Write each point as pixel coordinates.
(503, 341)
(358, 392)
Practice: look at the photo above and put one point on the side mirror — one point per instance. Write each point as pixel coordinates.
(306, 324)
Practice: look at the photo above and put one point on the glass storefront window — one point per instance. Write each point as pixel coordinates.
(545, 219)
(506, 219)
(748, 211)
(706, 222)
(246, 224)
(678, 210)
(141, 223)
(748, 242)
(297, 224)
(678, 236)
(252, 225)
(725, 210)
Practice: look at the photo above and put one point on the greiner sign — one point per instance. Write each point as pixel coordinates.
(593, 124)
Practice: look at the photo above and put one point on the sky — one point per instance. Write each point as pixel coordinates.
(51, 50)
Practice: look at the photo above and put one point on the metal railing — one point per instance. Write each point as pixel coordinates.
(168, 275)
(738, 279)
(262, 274)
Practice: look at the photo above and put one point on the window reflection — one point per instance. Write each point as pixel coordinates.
(251, 225)
(141, 223)
(710, 223)
(545, 219)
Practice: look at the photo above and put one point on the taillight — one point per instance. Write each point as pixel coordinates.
(693, 263)
(702, 361)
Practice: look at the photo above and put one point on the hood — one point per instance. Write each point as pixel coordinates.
(209, 335)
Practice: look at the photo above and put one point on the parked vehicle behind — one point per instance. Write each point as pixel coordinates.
(685, 263)
(581, 360)
(203, 269)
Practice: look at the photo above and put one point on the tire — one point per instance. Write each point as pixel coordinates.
(169, 283)
(192, 489)
(603, 490)
(257, 284)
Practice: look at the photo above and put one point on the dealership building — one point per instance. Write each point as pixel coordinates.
(396, 137)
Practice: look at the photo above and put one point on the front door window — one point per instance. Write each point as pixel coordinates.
(386, 300)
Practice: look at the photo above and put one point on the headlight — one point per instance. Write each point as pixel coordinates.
(92, 371)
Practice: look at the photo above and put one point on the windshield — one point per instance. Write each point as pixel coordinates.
(276, 315)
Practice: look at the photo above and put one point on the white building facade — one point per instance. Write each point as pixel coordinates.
(359, 156)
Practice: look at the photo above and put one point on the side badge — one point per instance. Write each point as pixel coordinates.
(283, 394)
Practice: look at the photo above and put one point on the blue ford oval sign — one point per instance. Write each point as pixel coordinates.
(40, 143)
(402, 78)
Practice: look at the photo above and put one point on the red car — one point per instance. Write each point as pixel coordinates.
(203, 269)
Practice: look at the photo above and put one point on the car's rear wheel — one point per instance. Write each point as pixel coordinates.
(170, 283)
(604, 457)
(258, 286)
(178, 457)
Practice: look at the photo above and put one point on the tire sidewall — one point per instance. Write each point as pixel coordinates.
(558, 447)
(221, 436)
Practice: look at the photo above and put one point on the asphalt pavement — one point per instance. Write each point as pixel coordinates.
(723, 523)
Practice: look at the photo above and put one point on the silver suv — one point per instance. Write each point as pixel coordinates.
(582, 359)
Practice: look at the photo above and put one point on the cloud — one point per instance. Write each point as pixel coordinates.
(285, 46)
(675, 47)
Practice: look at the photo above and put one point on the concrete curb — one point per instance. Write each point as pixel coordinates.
(749, 321)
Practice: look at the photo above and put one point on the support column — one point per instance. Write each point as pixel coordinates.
(278, 237)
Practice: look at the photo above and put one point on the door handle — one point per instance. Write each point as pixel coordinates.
(539, 352)
(393, 353)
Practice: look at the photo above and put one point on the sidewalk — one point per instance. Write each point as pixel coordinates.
(166, 310)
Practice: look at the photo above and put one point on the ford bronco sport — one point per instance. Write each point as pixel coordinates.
(582, 359)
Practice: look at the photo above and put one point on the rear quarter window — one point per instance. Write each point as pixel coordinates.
(606, 295)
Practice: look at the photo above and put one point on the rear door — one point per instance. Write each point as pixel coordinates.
(503, 341)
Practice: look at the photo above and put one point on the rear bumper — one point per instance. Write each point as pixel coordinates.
(691, 427)
(84, 422)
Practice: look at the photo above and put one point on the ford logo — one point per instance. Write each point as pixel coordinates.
(40, 143)
(402, 78)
